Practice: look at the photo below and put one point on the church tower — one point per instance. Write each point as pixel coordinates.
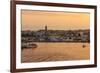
(46, 33)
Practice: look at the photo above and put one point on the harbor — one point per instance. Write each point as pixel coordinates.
(46, 52)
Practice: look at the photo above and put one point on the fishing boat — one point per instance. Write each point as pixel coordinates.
(28, 45)
(83, 45)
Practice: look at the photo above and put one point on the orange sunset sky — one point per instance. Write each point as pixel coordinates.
(36, 20)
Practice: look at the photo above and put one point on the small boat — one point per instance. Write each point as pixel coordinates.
(83, 46)
(29, 46)
(33, 45)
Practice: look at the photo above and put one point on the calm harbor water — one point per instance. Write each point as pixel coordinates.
(56, 52)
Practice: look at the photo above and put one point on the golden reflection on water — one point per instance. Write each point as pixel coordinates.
(56, 52)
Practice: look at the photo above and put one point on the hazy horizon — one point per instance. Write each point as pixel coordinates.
(37, 20)
(57, 30)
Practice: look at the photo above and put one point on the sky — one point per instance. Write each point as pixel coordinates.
(37, 20)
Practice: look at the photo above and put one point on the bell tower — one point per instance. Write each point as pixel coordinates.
(46, 33)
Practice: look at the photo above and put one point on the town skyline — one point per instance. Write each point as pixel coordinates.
(43, 29)
(37, 20)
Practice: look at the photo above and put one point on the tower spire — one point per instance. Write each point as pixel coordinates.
(46, 33)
